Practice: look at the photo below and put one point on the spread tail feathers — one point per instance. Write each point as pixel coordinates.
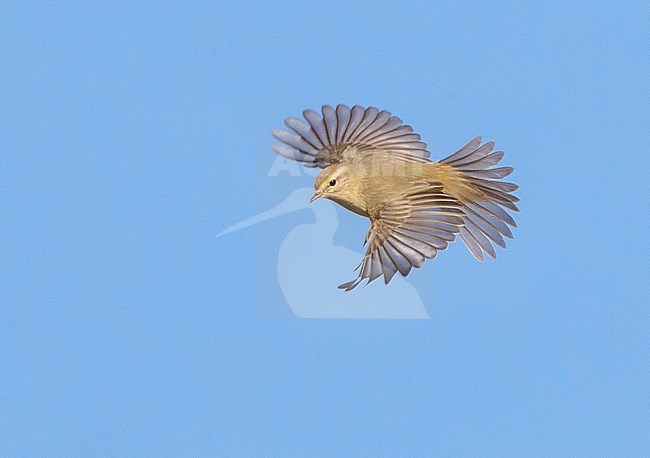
(486, 219)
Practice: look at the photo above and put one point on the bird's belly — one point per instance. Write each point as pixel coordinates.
(350, 206)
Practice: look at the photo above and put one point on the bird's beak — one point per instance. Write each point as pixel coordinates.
(316, 195)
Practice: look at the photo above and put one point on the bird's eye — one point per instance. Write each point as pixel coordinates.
(332, 182)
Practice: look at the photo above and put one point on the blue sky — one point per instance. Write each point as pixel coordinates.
(131, 135)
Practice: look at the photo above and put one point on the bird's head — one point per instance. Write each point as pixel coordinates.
(336, 183)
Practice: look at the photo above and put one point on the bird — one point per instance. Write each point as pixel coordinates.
(376, 166)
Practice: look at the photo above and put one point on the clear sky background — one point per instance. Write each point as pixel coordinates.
(131, 135)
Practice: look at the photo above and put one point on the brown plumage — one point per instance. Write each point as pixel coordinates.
(377, 167)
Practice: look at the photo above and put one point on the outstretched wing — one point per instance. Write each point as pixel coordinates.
(407, 231)
(337, 135)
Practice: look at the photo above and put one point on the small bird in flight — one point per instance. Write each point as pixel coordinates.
(377, 167)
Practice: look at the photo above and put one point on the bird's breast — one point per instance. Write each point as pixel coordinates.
(354, 208)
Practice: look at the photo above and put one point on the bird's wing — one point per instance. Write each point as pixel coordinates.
(407, 231)
(341, 133)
